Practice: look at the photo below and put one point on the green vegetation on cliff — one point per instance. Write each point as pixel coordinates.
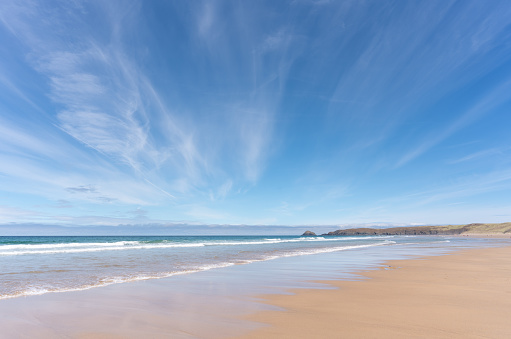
(430, 230)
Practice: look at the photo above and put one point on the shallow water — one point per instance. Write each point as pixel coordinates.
(39, 265)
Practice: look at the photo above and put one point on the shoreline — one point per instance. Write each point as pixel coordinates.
(218, 303)
(463, 294)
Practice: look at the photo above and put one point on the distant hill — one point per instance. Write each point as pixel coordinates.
(429, 230)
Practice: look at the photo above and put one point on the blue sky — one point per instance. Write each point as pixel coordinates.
(255, 112)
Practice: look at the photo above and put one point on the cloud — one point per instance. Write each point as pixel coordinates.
(402, 61)
(61, 203)
(464, 187)
(486, 105)
(40, 160)
(477, 155)
(196, 111)
(91, 192)
(9, 214)
(82, 189)
(200, 213)
(206, 18)
(139, 213)
(276, 41)
(221, 191)
(109, 120)
(96, 87)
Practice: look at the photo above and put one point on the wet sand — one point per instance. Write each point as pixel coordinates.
(462, 295)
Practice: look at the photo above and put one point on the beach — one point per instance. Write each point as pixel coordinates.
(291, 287)
(465, 294)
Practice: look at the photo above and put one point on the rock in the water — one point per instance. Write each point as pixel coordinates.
(308, 234)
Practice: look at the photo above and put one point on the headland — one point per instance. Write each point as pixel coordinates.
(476, 229)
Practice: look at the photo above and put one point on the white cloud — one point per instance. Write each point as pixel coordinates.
(203, 214)
(206, 18)
(10, 214)
(222, 191)
(97, 87)
(276, 41)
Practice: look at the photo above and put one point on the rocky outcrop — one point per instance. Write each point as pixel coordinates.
(308, 234)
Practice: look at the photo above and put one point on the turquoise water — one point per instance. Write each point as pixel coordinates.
(39, 265)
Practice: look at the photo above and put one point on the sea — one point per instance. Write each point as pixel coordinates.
(51, 264)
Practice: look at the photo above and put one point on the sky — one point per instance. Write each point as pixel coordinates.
(255, 112)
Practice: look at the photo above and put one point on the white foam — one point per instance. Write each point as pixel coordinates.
(119, 280)
(10, 250)
(112, 281)
(67, 245)
(98, 249)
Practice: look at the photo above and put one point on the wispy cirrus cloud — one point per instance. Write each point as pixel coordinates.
(464, 187)
(41, 161)
(198, 109)
(206, 18)
(486, 105)
(105, 99)
(400, 62)
(478, 155)
(100, 91)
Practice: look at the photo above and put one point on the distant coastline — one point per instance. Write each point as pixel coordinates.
(477, 229)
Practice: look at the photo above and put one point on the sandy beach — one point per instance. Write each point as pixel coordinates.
(462, 295)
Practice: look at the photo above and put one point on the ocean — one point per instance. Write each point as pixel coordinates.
(40, 265)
